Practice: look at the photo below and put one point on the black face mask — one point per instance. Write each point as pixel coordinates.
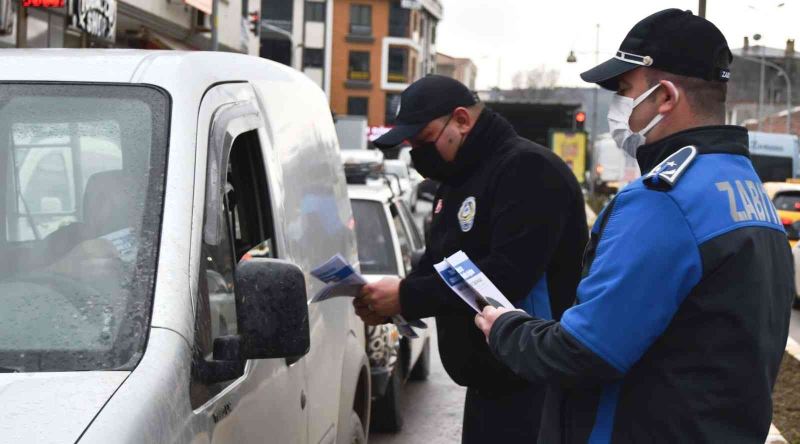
(429, 163)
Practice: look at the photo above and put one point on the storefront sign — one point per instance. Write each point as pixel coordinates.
(43, 3)
(97, 18)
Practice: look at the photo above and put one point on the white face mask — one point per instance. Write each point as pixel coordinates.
(619, 116)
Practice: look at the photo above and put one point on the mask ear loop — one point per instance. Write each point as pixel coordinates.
(658, 118)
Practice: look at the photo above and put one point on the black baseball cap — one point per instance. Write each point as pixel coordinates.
(424, 101)
(673, 41)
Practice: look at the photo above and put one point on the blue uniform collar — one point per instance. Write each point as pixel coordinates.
(727, 139)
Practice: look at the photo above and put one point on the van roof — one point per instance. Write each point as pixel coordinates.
(169, 69)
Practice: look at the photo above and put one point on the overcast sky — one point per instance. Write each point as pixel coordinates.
(515, 35)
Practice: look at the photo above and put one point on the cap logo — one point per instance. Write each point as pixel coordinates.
(634, 58)
(724, 75)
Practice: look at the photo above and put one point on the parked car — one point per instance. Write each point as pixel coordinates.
(786, 198)
(162, 213)
(388, 245)
(406, 180)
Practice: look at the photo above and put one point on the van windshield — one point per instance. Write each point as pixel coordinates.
(82, 171)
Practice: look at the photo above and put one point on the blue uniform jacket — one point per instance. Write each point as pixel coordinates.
(682, 314)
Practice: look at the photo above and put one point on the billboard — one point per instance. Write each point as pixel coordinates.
(570, 146)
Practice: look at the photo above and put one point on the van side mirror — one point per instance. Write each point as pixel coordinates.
(272, 319)
(272, 309)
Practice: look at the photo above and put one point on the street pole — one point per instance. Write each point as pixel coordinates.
(593, 137)
(701, 10)
(22, 25)
(761, 87)
(215, 25)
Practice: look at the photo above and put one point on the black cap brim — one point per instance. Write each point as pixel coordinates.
(398, 134)
(607, 73)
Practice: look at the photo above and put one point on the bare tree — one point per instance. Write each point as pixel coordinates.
(537, 78)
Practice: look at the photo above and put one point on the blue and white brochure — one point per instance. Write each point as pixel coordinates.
(343, 281)
(470, 283)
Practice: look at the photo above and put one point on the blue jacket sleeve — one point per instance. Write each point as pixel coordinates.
(646, 263)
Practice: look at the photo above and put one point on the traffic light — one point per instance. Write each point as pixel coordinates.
(254, 20)
(580, 120)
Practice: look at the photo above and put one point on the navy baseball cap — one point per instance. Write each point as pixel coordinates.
(422, 102)
(672, 41)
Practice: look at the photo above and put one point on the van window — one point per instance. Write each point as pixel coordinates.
(82, 171)
(247, 233)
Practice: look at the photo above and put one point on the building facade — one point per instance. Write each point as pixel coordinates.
(379, 47)
(745, 84)
(148, 24)
(297, 33)
(461, 69)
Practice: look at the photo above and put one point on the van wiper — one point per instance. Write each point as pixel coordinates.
(8, 370)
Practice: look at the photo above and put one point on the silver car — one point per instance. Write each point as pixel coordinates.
(389, 243)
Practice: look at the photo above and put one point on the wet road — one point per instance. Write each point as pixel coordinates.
(432, 409)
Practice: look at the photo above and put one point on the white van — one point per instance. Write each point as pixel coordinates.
(162, 211)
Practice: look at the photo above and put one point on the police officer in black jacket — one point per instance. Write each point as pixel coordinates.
(683, 313)
(517, 210)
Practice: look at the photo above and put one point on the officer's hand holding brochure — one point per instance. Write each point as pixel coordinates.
(470, 284)
(343, 281)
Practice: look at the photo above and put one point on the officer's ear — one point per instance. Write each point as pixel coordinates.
(464, 121)
(669, 97)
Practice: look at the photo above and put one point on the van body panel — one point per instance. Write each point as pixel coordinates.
(316, 225)
(151, 405)
(273, 401)
(53, 407)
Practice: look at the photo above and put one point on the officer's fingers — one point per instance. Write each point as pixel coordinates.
(481, 323)
(365, 290)
(489, 312)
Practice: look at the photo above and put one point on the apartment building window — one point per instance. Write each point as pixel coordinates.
(398, 64)
(399, 20)
(392, 107)
(361, 20)
(315, 11)
(357, 106)
(278, 13)
(359, 66)
(313, 58)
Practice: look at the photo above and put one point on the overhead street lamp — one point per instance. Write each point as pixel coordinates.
(571, 58)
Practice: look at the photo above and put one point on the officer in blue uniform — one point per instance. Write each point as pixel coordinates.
(683, 310)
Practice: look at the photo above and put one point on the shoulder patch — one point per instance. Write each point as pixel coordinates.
(667, 173)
